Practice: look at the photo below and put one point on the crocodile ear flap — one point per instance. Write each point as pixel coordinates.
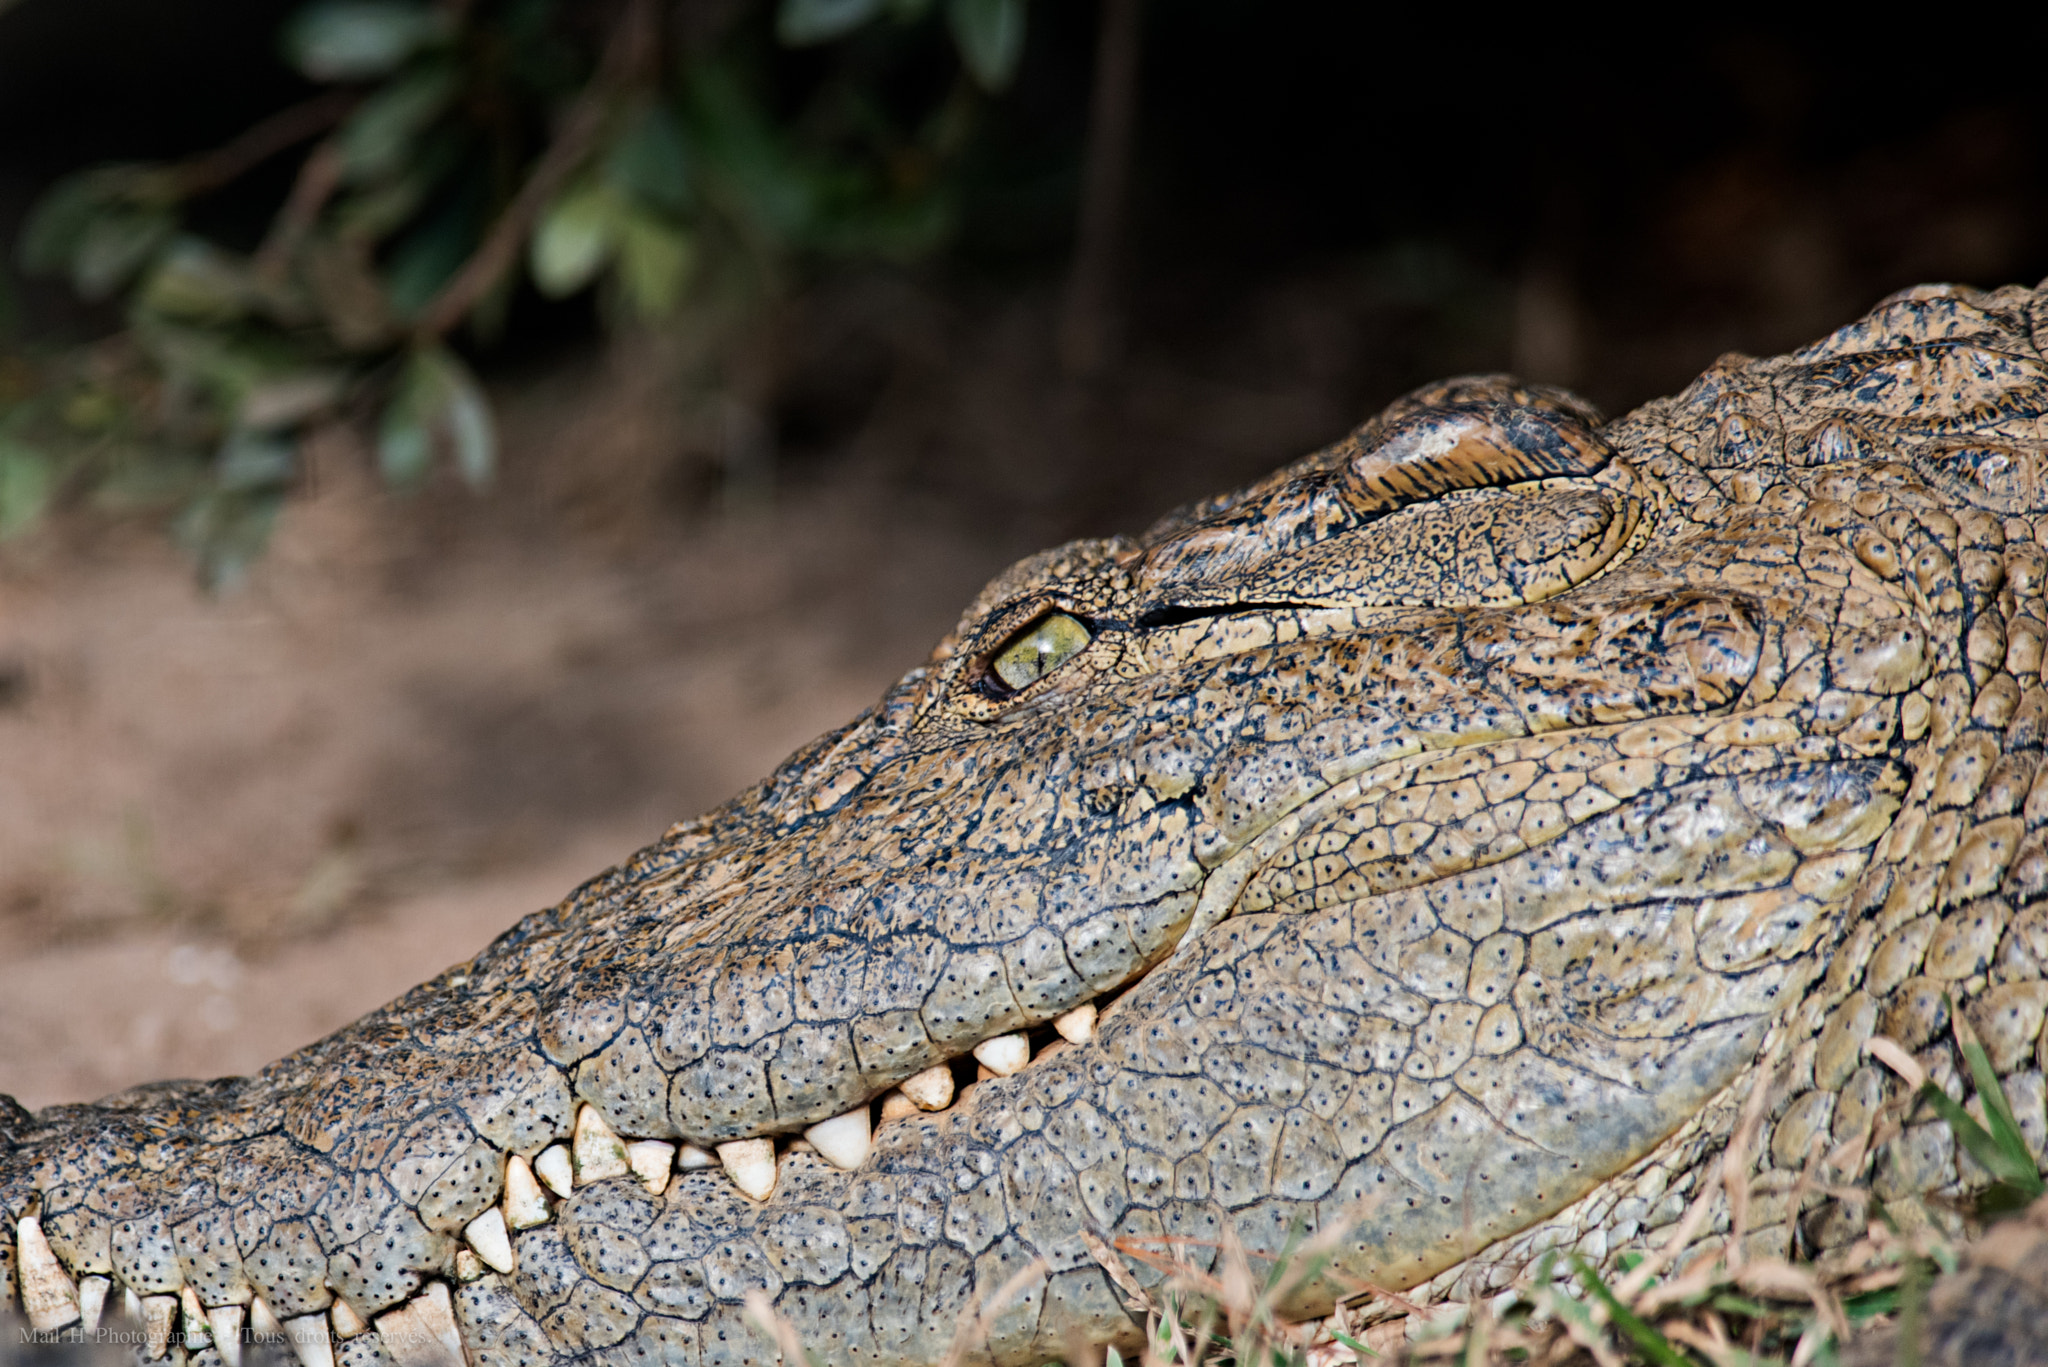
(1437, 449)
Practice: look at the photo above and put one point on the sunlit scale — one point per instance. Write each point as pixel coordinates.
(1436, 832)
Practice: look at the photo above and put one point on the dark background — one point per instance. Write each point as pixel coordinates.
(1328, 202)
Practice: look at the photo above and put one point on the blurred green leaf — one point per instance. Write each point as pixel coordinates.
(358, 40)
(576, 237)
(437, 398)
(289, 400)
(405, 448)
(802, 22)
(378, 136)
(223, 366)
(766, 188)
(655, 261)
(116, 244)
(255, 460)
(196, 281)
(651, 161)
(990, 36)
(26, 481)
(347, 290)
(427, 256)
(49, 239)
(226, 530)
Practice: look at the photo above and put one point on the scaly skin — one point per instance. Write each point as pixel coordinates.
(1459, 818)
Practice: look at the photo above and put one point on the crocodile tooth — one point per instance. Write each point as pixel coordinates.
(47, 1296)
(895, 1106)
(525, 1205)
(600, 1153)
(689, 1158)
(930, 1090)
(468, 1267)
(1005, 1055)
(751, 1165)
(555, 1170)
(92, 1299)
(308, 1336)
(198, 1333)
(347, 1323)
(652, 1160)
(422, 1332)
(226, 1323)
(1078, 1025)
(486, 1234)
(131, 1304)
(842, 1140)
(159, 1318)
(263, 1320)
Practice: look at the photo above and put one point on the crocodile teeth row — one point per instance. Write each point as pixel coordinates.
(425, 1326)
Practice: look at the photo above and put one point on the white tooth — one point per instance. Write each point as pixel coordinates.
(895, 1106)
(308, 1337)
(1078, 1025)
(47, 1296)
(468, 1267)
(843, 1140)
(1005, 1055)
(525, 1205)
(198, 1333)
(751, 1165)
(422, 1332)
(932, 1089)
(689, 1158)
(263, 1321)
(599, 1151)
(159, 1318)
(486, 1234)
(652, 1161)
(226, 1323)
(555, 1170)
(347, 1323)
(92, 1299)
(131, 1304)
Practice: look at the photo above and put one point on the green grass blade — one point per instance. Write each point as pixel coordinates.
(2016, 1170)
(2005, 1130)
(1353, 1344)
(1654, 1345)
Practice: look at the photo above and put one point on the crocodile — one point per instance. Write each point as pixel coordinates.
(1437, 842)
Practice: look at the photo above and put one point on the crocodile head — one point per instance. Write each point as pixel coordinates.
(1435, 836)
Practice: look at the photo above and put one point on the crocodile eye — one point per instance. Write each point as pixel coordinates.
(1039, 649)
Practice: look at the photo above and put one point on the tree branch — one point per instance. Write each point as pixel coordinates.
(1088, 340)
(211, 170)
(628, 60)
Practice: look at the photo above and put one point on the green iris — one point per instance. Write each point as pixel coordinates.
(1040, 649)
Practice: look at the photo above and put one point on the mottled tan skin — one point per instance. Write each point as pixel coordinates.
(1462, 813)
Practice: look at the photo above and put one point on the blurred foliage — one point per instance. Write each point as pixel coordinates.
(461, 152)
